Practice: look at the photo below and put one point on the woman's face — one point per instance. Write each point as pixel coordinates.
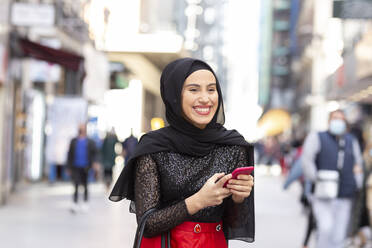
(199, 98)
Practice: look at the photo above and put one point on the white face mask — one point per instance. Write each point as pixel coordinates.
(337, 127)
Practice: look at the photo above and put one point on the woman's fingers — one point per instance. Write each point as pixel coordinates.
(245, 177)
(240, 182)
(240, 194)
(240, 188)
(243, 180)
(225, 192)
(216, 177)
(222, 180)
(214, 193)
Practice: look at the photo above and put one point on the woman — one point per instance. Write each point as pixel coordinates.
(180, 169)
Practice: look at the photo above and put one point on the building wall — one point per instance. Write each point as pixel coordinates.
(277, 47)
(69, 33)
(157, 17)
(319, 50)
(241, 58)
(265, 52)
(2, 162)
(4, 10)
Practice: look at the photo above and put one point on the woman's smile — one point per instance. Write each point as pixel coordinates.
(202, 110)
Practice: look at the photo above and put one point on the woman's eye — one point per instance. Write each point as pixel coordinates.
(212, 90)
(193, 90)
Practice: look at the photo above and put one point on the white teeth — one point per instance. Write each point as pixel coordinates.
(204, 110)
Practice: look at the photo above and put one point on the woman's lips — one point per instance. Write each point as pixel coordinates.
(202, 110)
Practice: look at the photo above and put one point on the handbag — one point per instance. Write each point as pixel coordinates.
(328, 181)
(161, 241)
(327, 184)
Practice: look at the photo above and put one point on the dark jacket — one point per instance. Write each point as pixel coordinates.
(91, 152)
(129, 145)
(108, 151)
(327, 160)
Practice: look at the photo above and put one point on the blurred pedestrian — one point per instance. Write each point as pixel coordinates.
(360, 222)
(368, 185)
(368, 191)
(178, 172)
(271, 153)
(296, 173)
(81, 155)
(108, 155)
(333, 161)
(129, 145)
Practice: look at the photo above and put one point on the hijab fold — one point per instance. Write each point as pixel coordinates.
(180, 136)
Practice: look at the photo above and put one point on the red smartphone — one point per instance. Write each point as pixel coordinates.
(242, 170)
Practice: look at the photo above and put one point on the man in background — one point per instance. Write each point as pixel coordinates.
(81, 155)
(334, 152)
(129, 145)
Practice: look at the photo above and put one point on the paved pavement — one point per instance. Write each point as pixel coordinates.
(38, 216)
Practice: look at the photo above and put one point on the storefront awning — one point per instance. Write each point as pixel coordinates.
(66, 59)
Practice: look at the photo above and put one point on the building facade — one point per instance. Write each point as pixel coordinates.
(44, 56)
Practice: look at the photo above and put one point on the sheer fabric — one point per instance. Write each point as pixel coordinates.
(165, 179)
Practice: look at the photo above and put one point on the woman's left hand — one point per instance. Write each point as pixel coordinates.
(241, 187)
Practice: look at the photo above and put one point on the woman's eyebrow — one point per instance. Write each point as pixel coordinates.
(198, 85)
(191, 84)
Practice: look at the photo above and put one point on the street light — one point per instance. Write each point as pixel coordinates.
(157, 123)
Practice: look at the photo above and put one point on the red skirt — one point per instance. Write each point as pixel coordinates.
(191, 235)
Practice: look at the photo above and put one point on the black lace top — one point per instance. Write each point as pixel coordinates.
(165, 179)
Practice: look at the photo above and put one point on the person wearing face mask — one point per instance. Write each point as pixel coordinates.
(332, 160)
(178, 172)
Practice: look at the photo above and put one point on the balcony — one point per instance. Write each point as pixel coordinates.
(281, 51)
(282, 5)
(280, 70)
(281, 25)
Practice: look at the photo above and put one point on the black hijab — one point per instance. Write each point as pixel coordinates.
(180, 136)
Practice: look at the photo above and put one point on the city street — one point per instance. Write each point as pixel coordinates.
(88, 85)
(38, 216)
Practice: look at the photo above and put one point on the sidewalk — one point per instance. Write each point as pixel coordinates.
(39, 217)
(280, 221)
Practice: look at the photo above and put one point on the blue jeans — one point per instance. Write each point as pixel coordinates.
(294, 174)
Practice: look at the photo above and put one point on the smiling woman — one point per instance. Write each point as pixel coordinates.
(200, 98)
(177, 174)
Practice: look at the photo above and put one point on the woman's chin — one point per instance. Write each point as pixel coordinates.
(202, 123)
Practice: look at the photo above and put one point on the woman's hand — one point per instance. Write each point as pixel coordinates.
(241, 187)
(211, 194)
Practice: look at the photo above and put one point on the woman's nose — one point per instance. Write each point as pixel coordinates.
(204, 98)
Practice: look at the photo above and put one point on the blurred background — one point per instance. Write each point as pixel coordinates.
(283, 65)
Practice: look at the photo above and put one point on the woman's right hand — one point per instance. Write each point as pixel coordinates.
(211, 194)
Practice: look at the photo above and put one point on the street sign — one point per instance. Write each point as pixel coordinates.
(30, 15)
(352, 9)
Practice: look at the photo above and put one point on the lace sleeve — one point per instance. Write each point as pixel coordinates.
(147, 195)
(239, 218)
